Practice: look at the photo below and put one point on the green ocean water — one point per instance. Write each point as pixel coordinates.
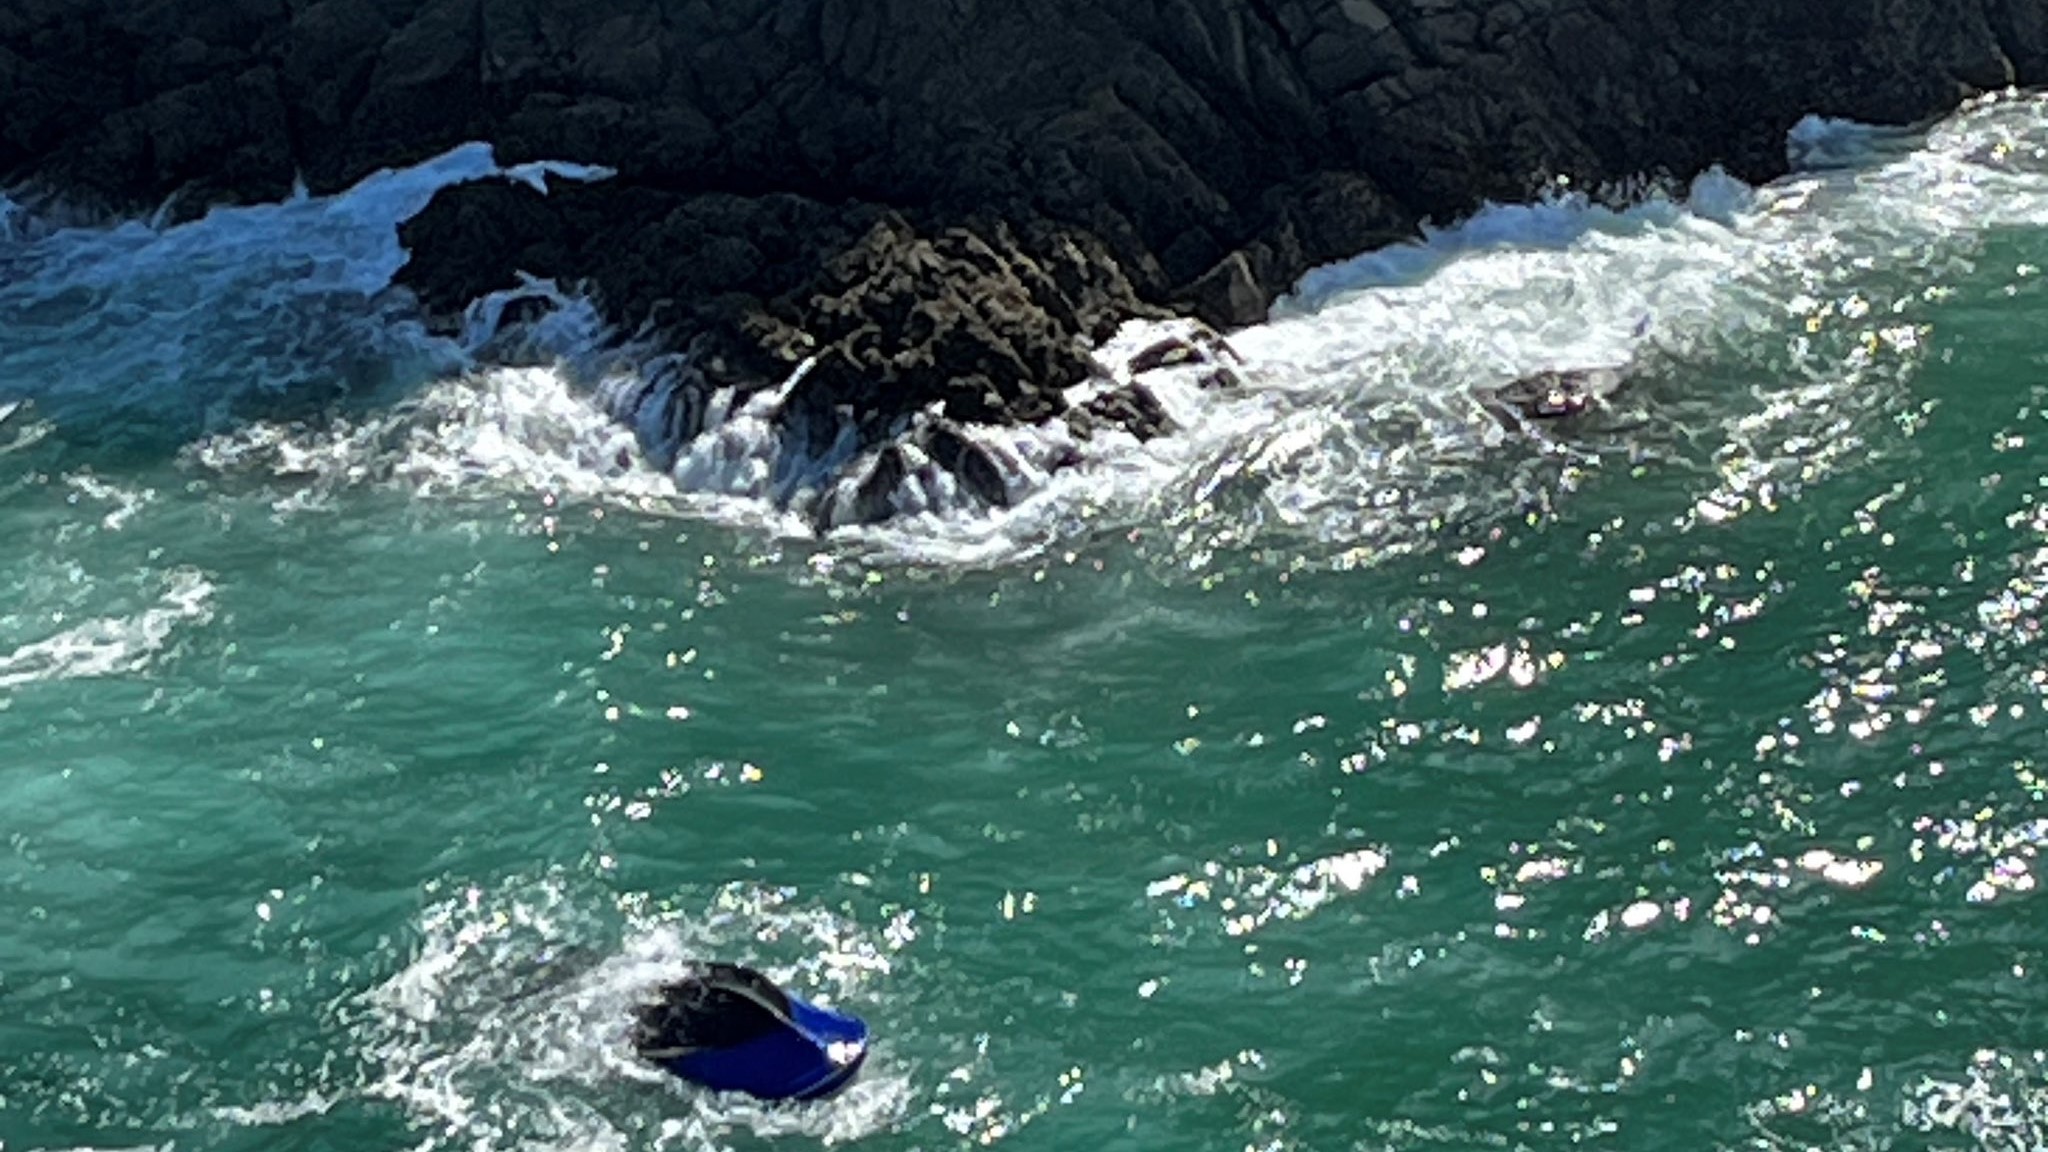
(1699, 807)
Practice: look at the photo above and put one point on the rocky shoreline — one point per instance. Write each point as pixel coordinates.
(944, 205)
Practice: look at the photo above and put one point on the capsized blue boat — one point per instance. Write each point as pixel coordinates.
(729, 1028)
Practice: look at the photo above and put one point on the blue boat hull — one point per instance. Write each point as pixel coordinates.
(809, 1054)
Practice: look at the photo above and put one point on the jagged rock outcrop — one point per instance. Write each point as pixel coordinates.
(944, 199)
(986, 326)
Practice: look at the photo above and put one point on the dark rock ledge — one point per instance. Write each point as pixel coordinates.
(946, 202)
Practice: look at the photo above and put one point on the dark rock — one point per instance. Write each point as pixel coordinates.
(1132, 407)
(871, 502)
(329, 53)
(1165, 354)
(1229, 295)
(1553, 394)
(678, 420)
(425, 90)
(969, 462)
(947, 201)
(1203, 345)
(973, 325)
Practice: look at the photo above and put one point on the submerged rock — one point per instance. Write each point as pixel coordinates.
(1553, 394)
(1130, 407)
(904, 476)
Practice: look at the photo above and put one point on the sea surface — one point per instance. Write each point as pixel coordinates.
(1354, 770)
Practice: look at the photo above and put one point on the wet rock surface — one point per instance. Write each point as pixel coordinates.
(942, 204)
(1554, 394)
(981, 325)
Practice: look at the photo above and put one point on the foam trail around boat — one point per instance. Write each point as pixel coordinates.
(511, 1024)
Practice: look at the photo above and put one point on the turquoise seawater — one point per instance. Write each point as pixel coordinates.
(1683, 787)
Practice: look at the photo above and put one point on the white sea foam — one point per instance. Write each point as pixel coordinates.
(1763, 333)
(2000, 1102)
(1765, 328)
(515, 427)
(113, 644)
(19, 430)
(509, 1027)
(1820, 143)
(170, 326)
(273, 1113)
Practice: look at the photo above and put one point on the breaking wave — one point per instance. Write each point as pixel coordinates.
(1749, 340)
(2000, 1103)
(145, 329)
